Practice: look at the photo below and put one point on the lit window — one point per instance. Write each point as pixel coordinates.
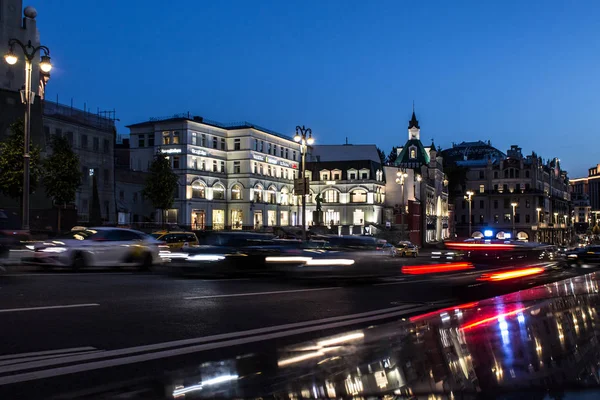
(176, 137)
(218, 193)
(358, 196)
(236, 192)
(198, 190)
(481, 188)
(331, 196)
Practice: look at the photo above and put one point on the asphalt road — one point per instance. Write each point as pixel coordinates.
(99, 312)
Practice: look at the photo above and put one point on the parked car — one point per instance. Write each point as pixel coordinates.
(176, 240)
(98, 247)
(407, 249)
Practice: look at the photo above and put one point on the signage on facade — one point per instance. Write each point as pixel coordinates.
(198, 152)
(275, 161)
(170, 151)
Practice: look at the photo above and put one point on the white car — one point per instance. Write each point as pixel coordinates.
(99, 247)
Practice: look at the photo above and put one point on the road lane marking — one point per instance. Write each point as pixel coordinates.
(8, 310)
(260, 293)
(381, 313)
(52, 372)
(46, 352)
(23, 360)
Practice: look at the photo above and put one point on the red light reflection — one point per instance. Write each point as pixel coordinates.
(435, 268)
(438, 312)
(490, 319)
(516, 273)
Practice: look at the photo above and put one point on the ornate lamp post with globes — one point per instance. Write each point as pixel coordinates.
(305, 141)
(27, 96)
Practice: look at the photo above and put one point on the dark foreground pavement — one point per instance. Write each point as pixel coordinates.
(55, 321)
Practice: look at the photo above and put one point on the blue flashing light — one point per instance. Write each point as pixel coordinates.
(488, 233)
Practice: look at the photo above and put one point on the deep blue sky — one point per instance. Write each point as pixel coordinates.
(515, 72)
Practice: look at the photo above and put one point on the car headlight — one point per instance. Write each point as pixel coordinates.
(54, 249)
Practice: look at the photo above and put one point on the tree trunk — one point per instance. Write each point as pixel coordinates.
(164, 218)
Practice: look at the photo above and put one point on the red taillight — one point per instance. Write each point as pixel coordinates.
(435, 268)
(490, 319)
(480, 246)
(516, 273)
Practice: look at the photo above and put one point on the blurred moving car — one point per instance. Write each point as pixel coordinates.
(11, 234)
(407, 249)
(339, 257)
(95, 247)
(585, 255)
(176, 240)
(228, 254)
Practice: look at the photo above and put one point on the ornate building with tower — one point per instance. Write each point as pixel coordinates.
(416, 190)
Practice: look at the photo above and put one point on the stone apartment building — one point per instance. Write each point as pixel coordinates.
(586, 195)
(514, 196)
(92, 137)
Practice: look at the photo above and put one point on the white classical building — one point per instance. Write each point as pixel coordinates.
(237, 176)
(350, 180)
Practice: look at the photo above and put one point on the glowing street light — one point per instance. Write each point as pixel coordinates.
(514, 208)
(469, 198)
(29, 51)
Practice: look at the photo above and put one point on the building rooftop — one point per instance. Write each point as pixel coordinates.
(469, 151)
(344, 152)
(202, 120)
(77, 116)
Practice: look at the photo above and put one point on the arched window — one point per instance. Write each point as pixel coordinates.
(258, 193)
(272, 195)
(358, 196)
(218, 192)
(331, 196)
(412, 152)
(285, 196)
(198, 190)
(236, 192)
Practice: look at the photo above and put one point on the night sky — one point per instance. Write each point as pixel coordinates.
(513, 72)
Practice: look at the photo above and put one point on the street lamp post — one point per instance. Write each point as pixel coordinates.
(305, 141)
(29, 51)
(469, 198)
(400, 176)
(539, 221)
(514, 207)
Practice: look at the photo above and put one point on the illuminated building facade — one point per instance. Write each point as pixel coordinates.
(350, 180)
(417, 190)
(231, 176)
(510, 191)
(586, 195)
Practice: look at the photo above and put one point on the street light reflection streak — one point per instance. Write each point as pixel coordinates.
(518, 273)
(490, 319)
(438, 312)
(435, 268)
(341, 339)
(310, 260)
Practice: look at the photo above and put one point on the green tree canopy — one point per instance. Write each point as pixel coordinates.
(11, 163)
(391, 158)
(381, 155)
(62, 176)
(161, 184)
